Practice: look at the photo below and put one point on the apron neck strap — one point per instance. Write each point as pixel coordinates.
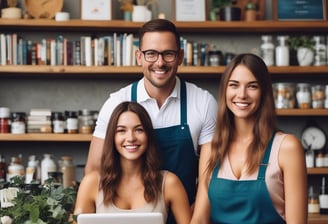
(265, 160)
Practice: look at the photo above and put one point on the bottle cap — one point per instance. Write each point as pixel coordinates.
(4, 112)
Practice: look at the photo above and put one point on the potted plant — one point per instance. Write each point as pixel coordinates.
(251, 11)
(226, 9)
(42, 204)
(303, 47)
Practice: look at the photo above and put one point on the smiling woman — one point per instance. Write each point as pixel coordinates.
(130, 177)
(250, 152)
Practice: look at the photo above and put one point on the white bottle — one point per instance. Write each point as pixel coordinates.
(47, 165)
(33, 171)
(320, 51)
(282, 52)
(267, 50)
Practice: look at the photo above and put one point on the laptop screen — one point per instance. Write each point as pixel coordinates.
(121, 218)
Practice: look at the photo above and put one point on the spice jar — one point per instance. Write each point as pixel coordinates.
(85, 121)
(284, 95)
(4, 120)
(318, 96)
(58, 122)
(68, 169)
(215, 57)
(313, 202)
(71, 122)
(15, 168)
(319, 160)
(18, 123)
(303, 95)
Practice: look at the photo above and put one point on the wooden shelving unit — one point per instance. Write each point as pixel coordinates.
(199, 72)
(76, 25)
(46, 137)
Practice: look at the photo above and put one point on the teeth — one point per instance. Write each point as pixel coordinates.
(160, 72)
(242, 104)
(131, 147)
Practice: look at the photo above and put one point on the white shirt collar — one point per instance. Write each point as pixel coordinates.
(143, 95)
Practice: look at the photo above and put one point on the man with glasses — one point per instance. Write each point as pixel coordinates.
(183, 114)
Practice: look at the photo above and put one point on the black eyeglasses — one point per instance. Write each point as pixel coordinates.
(152, 55)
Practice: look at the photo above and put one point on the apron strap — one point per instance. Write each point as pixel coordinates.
(265, 160)
(183, 102)
(134, 92)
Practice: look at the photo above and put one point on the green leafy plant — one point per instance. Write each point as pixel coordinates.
(296, 42)
(251, 6)
(52, 205)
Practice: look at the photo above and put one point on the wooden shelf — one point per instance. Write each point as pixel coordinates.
(318, 171)
(214, 71)
(317, 219)
(46, 137)
(302, 112)
(76, 25)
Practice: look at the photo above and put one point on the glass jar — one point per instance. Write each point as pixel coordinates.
(15, 168)
(71, 122)
(215, 57)
(313, 202)
(4, 120)
(18, 123)
(318, 96)
(58, 122)
(68, 169)
(284, 95)
(85, 121)
(303, 95)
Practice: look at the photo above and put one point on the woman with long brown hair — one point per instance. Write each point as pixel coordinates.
(130, 178)
(255, 172)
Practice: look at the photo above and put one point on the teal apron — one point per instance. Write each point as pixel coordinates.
(242, 202)
(176, 147)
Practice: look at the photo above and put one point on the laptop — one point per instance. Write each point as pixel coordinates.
(121, 218)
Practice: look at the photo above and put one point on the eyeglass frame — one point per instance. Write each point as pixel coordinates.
(162, 53)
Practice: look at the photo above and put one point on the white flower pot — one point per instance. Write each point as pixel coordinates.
(141, 13)
(305, 56)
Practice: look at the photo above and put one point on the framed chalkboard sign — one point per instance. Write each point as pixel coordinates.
(300, 10)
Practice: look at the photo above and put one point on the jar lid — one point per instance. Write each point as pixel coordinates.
(4, 112)
(69, 113)
(85, 112)
(57, 115)
(67, 158)
(18, 114)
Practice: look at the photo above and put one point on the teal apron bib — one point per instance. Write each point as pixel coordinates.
(244, 202)
(176, 147)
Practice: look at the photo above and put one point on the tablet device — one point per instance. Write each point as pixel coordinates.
(121, 218)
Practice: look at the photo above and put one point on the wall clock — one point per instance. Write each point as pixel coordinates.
(313, 138)
(43, 9)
